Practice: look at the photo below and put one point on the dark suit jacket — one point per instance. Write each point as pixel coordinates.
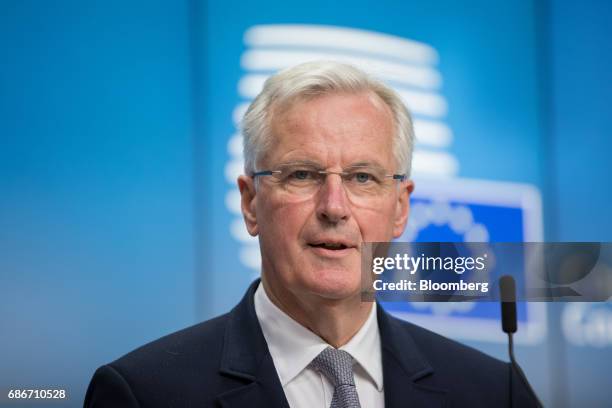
(225, 362)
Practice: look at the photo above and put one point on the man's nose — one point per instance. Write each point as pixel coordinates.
(332, 202)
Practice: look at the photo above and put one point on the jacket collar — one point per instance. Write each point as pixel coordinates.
(246, 358)
(405, 367)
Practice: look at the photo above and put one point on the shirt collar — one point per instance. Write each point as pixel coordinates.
(293, 346)
(365, 348)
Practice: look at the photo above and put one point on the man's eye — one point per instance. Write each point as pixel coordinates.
(301, 175)
(362, 177)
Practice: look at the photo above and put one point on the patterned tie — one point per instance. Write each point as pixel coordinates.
(337, 366)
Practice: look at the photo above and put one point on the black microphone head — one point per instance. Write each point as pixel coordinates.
(507, 291)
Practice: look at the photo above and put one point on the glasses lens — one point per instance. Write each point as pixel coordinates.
(363, 184)
(300, 179)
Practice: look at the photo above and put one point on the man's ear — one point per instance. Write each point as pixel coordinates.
(402, 209)
(248, 200)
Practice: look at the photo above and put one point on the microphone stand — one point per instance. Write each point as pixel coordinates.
(507, 288)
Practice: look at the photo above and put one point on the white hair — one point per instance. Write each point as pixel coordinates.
(310, 80)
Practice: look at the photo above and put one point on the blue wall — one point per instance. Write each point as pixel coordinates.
(579, 84)
(108, 130)
(96, 185)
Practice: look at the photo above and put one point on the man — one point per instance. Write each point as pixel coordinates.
(327, 159)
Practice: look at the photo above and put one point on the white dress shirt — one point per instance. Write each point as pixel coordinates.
(293, 347)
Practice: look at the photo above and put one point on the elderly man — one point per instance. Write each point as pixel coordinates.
(327, 159)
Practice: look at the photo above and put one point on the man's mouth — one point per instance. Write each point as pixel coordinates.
(334, 246)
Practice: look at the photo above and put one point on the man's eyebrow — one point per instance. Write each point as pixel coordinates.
(301, 163)
(366, 164)
(306, 162)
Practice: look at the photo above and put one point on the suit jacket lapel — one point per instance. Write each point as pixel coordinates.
(247, 360)
(405, 369)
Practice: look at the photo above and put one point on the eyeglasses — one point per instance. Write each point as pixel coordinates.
(361, 182)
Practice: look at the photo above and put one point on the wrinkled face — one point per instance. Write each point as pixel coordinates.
(311, 245)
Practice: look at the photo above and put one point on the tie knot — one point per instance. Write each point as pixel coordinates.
(336, 365)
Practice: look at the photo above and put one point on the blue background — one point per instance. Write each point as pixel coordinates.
(114, 119)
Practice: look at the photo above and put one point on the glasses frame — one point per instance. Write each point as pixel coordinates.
(343, 174)
(400, 177)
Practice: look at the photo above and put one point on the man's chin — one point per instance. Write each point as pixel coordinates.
(335, 284)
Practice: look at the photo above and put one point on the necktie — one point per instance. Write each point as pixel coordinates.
(337, 366)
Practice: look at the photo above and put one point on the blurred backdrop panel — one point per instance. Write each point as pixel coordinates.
(96, 186)
(579, 90)
(578, 85)
(119, 214)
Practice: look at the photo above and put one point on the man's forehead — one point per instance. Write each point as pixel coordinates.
(362, 102)
(355, 123)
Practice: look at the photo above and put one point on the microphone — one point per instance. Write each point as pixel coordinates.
(507, 291)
